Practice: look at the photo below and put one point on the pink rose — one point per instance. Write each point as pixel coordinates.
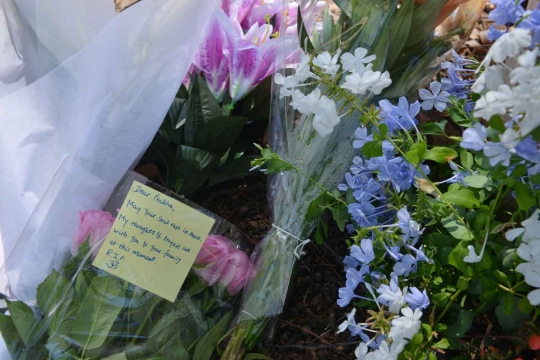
(238, 272)
(220, 261)
(94, 225)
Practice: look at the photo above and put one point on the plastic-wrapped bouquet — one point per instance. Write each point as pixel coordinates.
(375, 49)
(84, 312)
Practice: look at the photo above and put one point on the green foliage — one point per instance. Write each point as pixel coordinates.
(372, 149)
(99, 316)
(203, 142)
(463, 197)
(206, 345)
(441, 155)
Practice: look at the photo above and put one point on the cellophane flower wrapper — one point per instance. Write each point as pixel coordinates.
(83, 312)
(411, 55)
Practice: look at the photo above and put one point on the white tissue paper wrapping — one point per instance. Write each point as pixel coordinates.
(82, 93)
(36, 36)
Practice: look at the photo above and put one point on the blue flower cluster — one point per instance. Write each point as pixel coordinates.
(528, 150)
(509, 12)
(392, 233)
(453, 85)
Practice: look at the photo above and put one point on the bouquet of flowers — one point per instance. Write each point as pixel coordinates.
(376, 49)
(224, 102)
(84, 312)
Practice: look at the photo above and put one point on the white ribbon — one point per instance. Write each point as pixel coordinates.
(298, 251)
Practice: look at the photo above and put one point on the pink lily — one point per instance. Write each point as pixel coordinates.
(213, 57)
(286, 15)
(227, 55)
(237, 9)
(255, 57)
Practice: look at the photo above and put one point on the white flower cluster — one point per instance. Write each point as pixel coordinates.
(512, 79)
(402, 330)
(529, 250)
(361, 80)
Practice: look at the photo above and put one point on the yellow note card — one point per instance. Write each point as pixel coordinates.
(154, 241)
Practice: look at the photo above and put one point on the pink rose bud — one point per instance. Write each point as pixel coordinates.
(220, 261)
(94, 225)
(213, 258)
(237, 273)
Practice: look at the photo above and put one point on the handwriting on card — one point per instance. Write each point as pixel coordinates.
(154, 241)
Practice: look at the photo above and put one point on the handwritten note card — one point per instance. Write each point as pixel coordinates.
(154, 241)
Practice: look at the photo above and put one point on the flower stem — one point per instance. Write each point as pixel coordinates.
(452, 299)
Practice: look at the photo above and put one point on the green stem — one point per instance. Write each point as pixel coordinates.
(315, 183)
(452, 299)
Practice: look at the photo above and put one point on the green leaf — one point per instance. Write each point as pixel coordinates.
(331, 33)
(435, 128)
(427, 329)
(55, 297)
(232, 169)
(456, 256)
(345, 6)
(305, 42)
(497, 123)
(371, 14)
(218, 134)
(524, 197)
(166, 331)
(499, 275)
(466, 158)
(443, 344)
(462, 283)
(507, 302)
(476, 181)
(415, 343)
(197, 158)
(372, 149)
(463, 197)
(416, 153)
(206, 345)
(314, 210)
(515, 318)
(441, 154)
(423, 19)
(73, 264)
(202, 107)
(462, 325)
(441, 299)
(30, 329)
(456, 228)
(525, 305)
(400, 26)
(11, 337)
(340, 214)
(99, 309)
(68, 355)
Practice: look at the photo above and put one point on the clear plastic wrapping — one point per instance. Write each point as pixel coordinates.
(83, 312)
